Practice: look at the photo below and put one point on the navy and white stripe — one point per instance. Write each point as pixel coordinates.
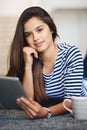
(66, 78)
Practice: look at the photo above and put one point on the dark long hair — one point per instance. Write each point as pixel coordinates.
(16, 62)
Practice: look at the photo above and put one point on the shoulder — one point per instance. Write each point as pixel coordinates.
(69, 49)
(70, 54)
(67, 46)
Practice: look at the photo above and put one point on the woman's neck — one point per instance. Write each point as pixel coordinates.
(49, 57)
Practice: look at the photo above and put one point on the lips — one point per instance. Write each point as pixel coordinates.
(38, 44)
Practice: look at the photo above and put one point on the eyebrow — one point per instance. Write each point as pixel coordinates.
(39, 26)
(35, 28)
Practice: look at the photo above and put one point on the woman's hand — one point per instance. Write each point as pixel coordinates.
(32, 108)
(28, 58)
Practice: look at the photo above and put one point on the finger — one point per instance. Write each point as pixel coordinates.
(28, 102)
(26, 108)
(31, 103)
(31, 51)
(23, 103)
(28, 114)
(35, 54)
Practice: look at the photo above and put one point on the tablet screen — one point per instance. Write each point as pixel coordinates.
(10, 89)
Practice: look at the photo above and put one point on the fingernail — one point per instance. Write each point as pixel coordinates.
(18, 100)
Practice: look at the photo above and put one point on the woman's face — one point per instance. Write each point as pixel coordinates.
(38, 34)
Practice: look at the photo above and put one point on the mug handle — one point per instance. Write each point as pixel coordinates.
(67, 107)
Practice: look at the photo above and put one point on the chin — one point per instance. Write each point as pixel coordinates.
(40, 50)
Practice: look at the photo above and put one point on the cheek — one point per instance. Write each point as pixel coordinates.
(48, 36)
(48, 33)
(29, 41)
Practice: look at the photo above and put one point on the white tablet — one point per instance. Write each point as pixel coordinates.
(10, 89)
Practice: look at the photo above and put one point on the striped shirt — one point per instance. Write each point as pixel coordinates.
(66, 78)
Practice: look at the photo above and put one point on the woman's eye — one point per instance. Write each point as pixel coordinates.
(39, 30)
(27, 35)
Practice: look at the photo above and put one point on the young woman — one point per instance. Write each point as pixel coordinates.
(50, 72)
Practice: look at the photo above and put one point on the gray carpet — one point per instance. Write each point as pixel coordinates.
(16, 120)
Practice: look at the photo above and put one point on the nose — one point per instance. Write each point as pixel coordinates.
(35, 36)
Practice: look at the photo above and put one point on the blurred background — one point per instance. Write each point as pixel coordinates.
(70, 17)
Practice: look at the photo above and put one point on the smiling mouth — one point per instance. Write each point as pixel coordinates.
(38, 44)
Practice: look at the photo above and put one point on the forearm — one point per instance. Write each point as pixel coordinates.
(59, 109)
(28, 82)
(28, 76)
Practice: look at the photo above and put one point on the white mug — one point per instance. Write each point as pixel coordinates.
(79, 107)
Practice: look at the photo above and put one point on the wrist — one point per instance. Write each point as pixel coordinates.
(49, 113)
(28, 66)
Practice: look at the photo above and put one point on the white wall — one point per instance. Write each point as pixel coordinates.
(13, 7)
(63, 4)
(72, 26)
